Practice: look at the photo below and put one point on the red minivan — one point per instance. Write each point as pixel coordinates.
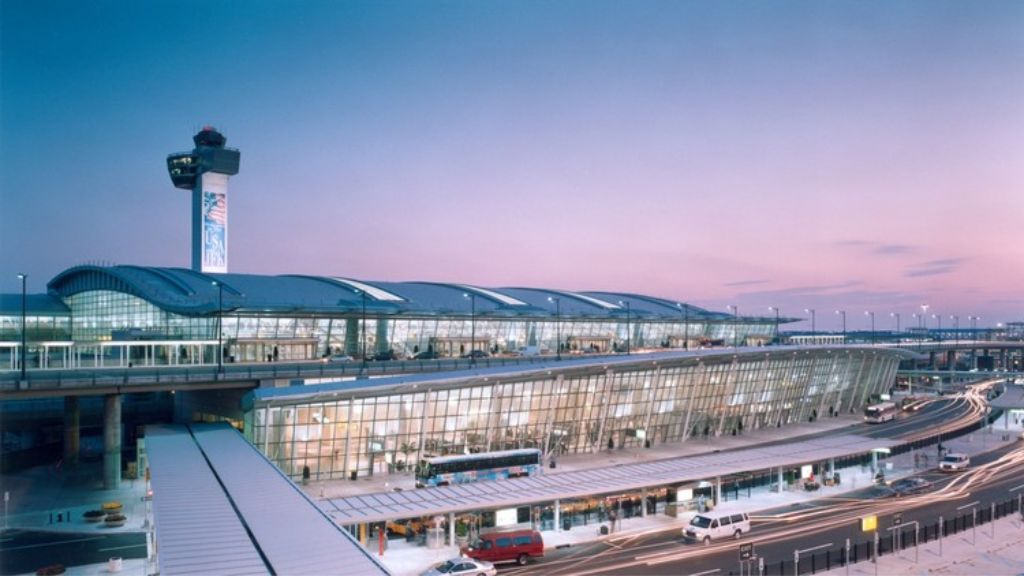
(515, 546)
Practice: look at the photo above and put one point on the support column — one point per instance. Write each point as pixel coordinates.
(874, 462)
(451, 528)
(558, 516)
(780, 480)
(718, 490)
(112, 442)
(352, 336)
(832, 467)
(643, 500)
(382, 344)
(71, 430)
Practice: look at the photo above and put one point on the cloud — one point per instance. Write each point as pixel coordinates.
(876, 248)
(892, 249)
(746, 282)
(934, 267)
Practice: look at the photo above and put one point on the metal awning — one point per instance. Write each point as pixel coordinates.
(197, 529)
(294, 535)
(220, 507)
(594, 482)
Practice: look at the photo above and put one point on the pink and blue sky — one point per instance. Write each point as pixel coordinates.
(860, 155)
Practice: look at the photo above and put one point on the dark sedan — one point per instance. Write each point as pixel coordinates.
(909, 486)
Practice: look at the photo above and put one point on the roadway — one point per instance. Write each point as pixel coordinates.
(25, 551)
(826, 522)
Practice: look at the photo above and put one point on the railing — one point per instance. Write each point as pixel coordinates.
(148, 375)
(899, 539)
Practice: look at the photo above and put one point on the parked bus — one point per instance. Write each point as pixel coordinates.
(445, 470)
(878, 413)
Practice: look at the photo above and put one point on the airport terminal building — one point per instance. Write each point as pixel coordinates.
(379, 426)
(115, 316)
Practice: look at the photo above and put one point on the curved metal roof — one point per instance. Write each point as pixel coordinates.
(185, 291)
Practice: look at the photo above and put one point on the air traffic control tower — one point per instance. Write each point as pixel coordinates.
(205, 171)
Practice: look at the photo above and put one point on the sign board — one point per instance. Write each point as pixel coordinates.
(746, 551)
(897, 519)
(869, 523)
(505, 517)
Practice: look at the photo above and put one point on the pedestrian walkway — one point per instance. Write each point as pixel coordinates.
(998, 552)
(57, 497)
(404, 558)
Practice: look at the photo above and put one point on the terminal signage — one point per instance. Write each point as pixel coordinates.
(869, 523)
(897, 519)
(746, 551)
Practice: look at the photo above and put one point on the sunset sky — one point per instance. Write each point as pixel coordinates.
(822, 154)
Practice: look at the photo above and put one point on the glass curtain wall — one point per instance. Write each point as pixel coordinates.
(565, 414)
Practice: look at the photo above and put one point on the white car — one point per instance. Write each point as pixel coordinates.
(954, 461)
(339, 359)
(462, 567)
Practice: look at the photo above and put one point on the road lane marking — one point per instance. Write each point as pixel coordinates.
(55, 543)
(142, 544)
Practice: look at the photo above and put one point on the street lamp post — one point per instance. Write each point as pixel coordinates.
(939, 333)
(629, 332)
(558, 324)
(814, 331)
(220, 326)
(896, 315)
(24, 349)
(776, 310)
(735, 325)
(956, 327)
(974, 325)
(843, 314)
(922, 316)
(872, 314)
(472, 326)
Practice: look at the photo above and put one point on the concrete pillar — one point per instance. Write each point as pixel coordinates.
(831, 467)
(71, 430)
(352, 335)
(451, 528)
(780, 479)
(558, 516)
(874, 462)
(643, 500)
(112, 442)
(718, 490)
(382, 344)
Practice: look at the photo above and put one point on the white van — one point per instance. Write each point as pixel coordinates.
(954, 461)
(710, 526)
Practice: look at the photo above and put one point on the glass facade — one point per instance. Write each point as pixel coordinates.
(251, 336)
(373, 431)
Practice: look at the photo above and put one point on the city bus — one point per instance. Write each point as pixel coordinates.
(462, 468)
(878, 413)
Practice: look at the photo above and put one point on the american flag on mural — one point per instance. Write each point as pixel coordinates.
(215, 208)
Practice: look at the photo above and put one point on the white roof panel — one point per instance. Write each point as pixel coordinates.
(293, 533)
(543, 488)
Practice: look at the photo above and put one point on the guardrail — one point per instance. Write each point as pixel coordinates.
(142, 376)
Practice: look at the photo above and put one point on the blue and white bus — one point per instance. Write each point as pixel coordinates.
(879, 413)
(462, 468)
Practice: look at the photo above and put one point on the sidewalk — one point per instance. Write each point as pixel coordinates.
(54, 499)
(1002, 555)
(405, 559)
